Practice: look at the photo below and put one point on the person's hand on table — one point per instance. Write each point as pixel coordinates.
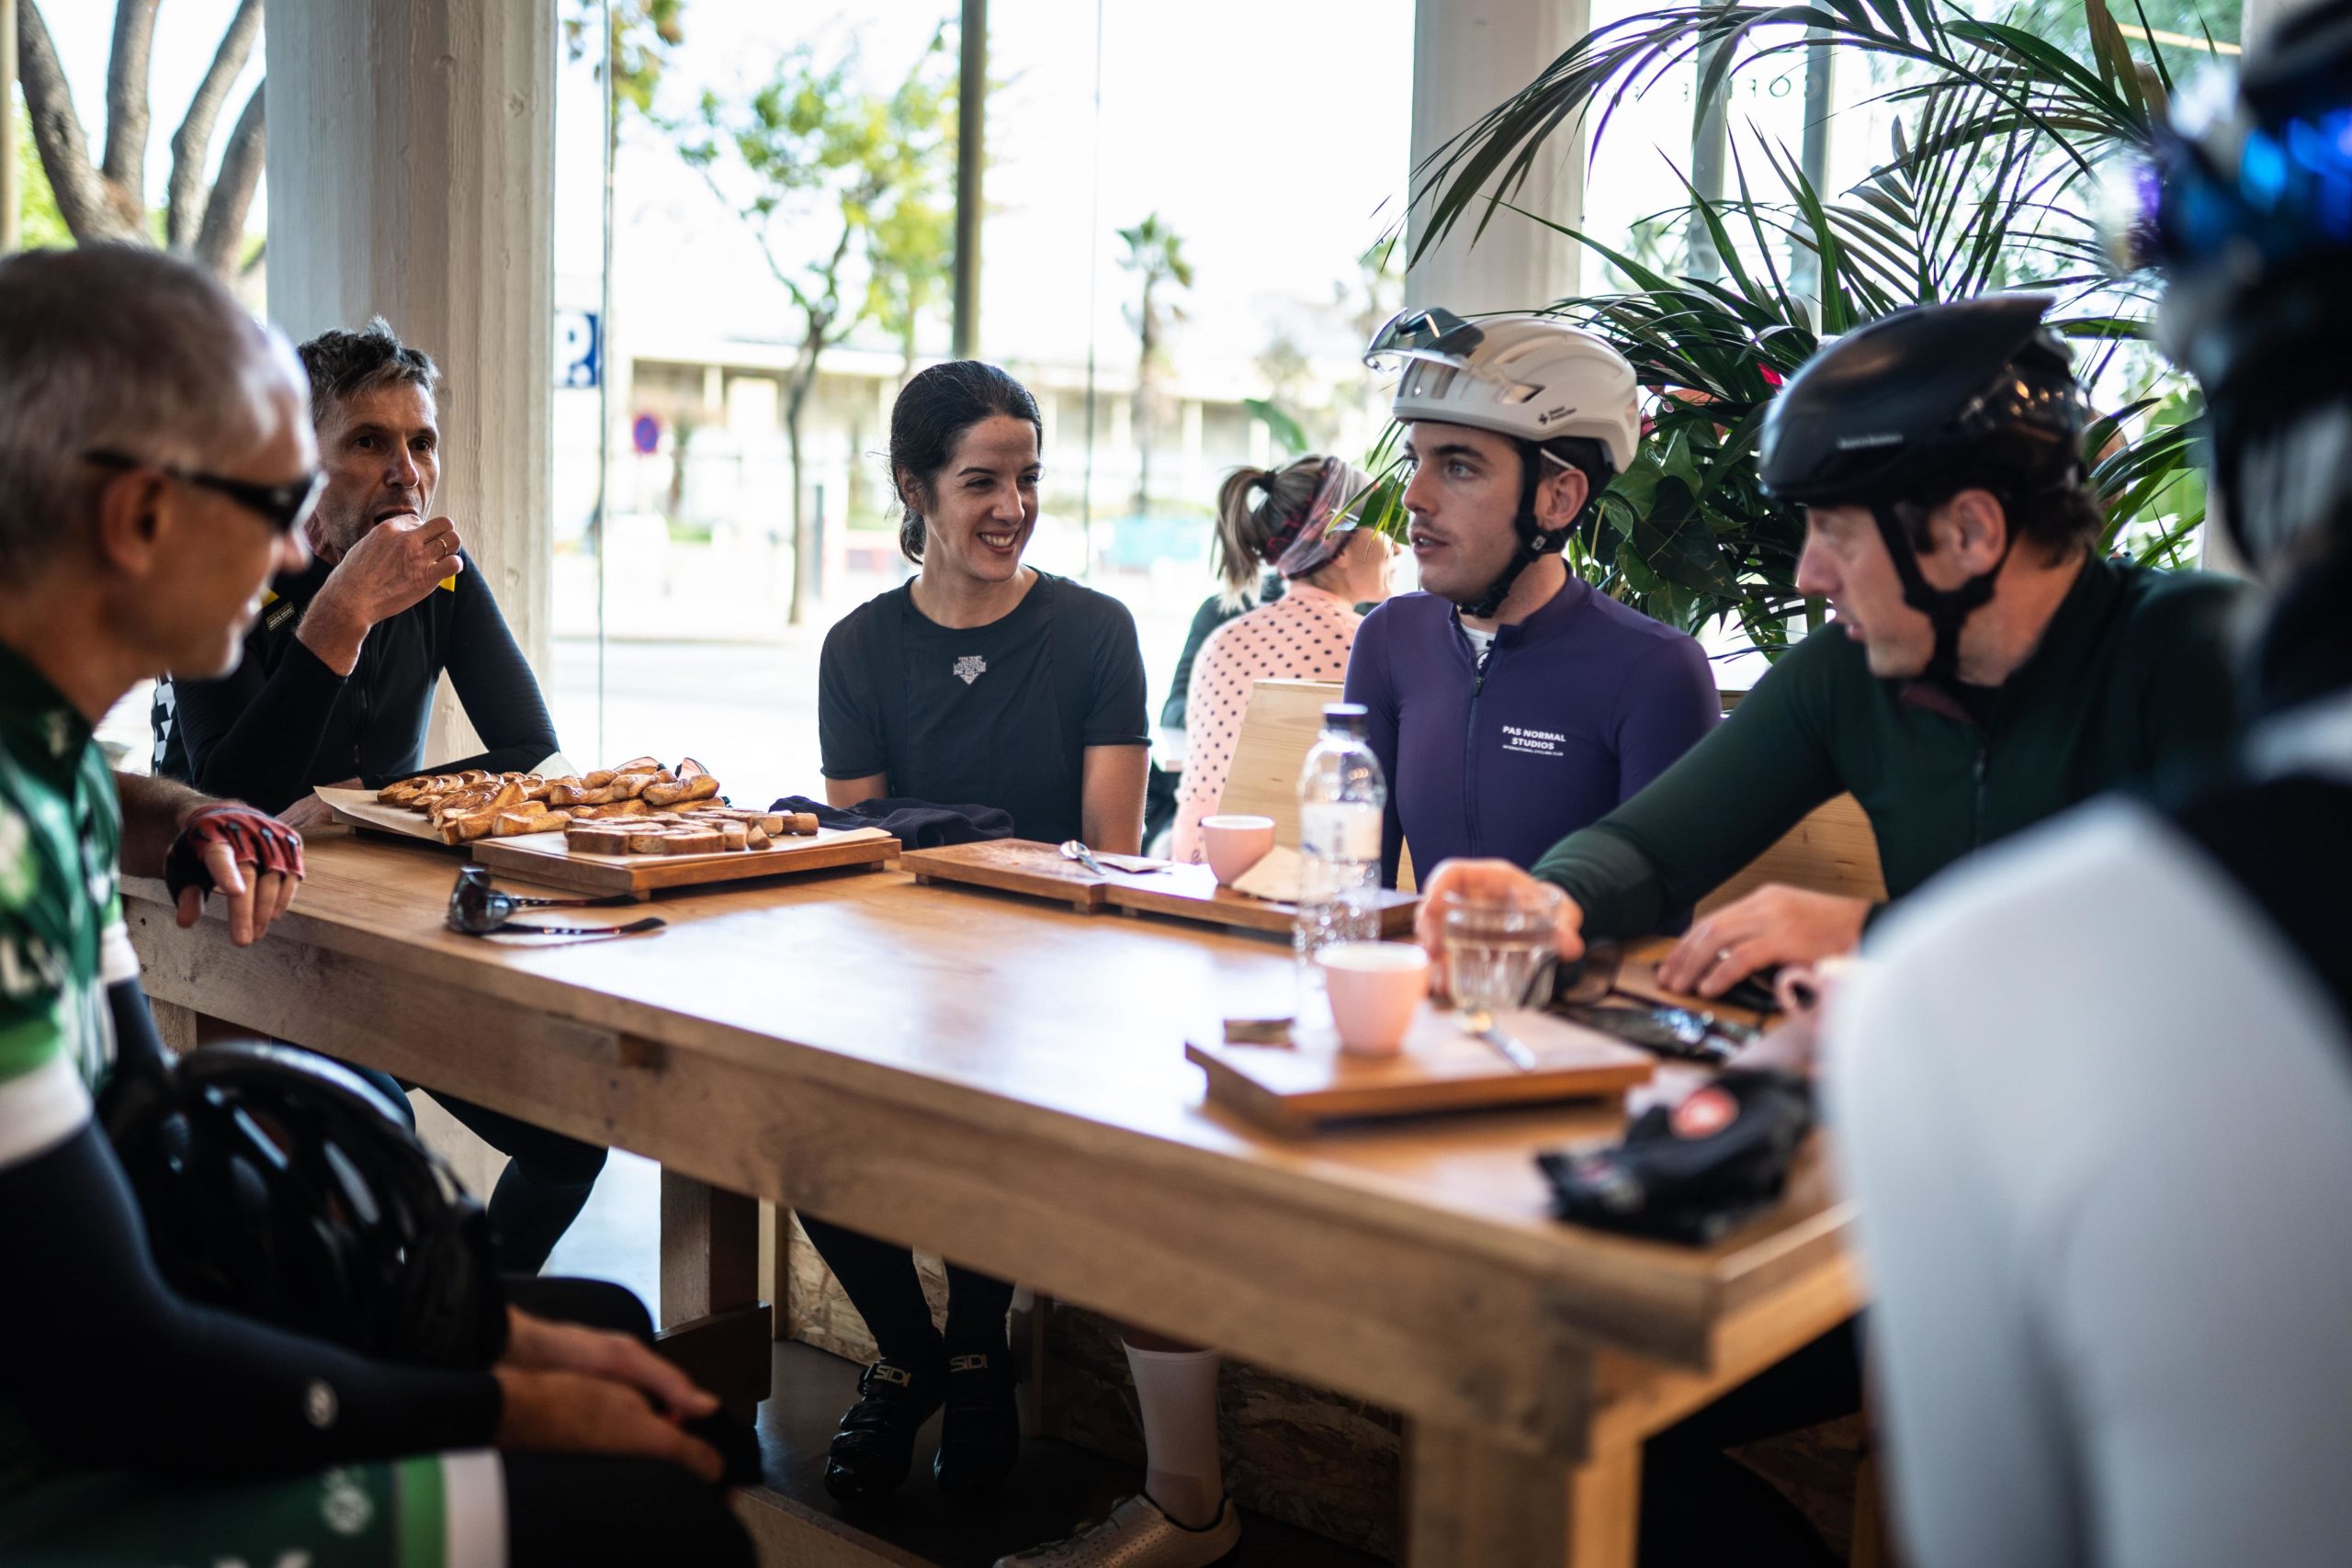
(1488, 879)
(250, 858)
(1773, 925)
(311, 811)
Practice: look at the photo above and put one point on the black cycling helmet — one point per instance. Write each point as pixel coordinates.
(282, 1186)
(1920, 403)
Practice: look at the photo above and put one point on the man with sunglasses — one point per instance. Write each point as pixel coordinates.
(337, 682)
(1509, 702)
(336, 686)
(155, 463)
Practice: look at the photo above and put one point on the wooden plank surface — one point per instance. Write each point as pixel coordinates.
(1293, 1089)
(544, 857)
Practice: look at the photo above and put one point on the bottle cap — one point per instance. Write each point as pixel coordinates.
(1345, 717)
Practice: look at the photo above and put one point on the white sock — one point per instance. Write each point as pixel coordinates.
(1177, 1391)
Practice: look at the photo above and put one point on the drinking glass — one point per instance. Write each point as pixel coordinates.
(1499, 948)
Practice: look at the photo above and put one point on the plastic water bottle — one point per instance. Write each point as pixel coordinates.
(1343, 798)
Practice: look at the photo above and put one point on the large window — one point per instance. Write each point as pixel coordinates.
(1265, 147)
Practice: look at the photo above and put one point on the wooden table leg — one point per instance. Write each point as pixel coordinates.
(1468, 1501)
(713, 1322)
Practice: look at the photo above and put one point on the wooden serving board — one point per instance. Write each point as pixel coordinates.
(544, 857)
(1294, 1089)
(360, 808)
(1011, 865)
(1187, 892)
(1191, 892)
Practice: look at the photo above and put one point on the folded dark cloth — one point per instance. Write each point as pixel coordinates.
(917, 824)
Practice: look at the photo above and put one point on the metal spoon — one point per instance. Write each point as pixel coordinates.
(1074, 850)
(1480, 1025)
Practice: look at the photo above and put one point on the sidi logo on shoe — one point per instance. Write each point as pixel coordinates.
(968, 1363)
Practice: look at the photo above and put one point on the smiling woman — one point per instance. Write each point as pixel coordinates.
(985, 683)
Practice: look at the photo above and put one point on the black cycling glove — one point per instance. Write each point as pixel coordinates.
(1691, 1171)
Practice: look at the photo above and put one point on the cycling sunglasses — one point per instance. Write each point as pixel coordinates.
(1429, 330)
(286, 507)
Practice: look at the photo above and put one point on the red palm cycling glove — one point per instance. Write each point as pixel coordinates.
(253, 836)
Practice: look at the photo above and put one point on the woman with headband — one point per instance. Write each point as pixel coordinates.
(1303, 528)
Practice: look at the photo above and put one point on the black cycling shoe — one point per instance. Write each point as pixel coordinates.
(979, 1439)
(875, 1445)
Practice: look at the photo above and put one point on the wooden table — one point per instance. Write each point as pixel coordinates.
(1004, 1082)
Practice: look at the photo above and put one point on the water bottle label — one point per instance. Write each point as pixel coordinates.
(1343, 832)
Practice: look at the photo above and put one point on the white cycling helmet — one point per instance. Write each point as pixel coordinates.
(1532, 377)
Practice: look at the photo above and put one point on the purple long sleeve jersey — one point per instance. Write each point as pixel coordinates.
(1574, 710)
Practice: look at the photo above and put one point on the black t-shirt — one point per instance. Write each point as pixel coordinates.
(1000, 714)
(282, 721)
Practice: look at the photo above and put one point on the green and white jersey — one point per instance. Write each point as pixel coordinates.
(62, 939)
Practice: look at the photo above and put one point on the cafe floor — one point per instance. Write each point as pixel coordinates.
(1057, 1486)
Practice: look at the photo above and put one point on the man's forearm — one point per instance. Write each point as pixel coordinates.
(153, 810)
(334, 633)
(1618, 887)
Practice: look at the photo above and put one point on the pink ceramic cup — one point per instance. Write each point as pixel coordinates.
(1235, 845)
(1376, 988)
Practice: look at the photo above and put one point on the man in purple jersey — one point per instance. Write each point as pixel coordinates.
(1510, 703)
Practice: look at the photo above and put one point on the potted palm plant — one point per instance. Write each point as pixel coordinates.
(2005, 127)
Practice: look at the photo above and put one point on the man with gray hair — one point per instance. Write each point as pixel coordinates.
(336, 686)
(337, 682)
(156, 466)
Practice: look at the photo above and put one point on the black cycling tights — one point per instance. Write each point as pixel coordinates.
(546, 1183)
(880, 1280)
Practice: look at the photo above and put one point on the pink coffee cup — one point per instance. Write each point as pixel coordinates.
(1376, 988)
(1235, 845)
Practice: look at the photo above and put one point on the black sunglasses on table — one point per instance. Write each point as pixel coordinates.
(286, 506)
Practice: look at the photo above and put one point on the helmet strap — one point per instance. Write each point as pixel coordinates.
(1947, 609)
(1535, 541)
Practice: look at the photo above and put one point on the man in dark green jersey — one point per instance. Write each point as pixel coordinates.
(156, 462)
(1986, 669)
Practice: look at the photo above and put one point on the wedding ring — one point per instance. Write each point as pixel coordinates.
(1723, 955)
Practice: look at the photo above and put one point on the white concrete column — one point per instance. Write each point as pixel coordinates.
(412, 175)
(2257, 17)
(1468, 56)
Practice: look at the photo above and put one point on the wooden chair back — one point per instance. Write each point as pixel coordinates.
(1832, 851)
(1278, 729)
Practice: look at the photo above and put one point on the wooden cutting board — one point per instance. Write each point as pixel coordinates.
(1011, 865)
(360, 808)
(544, 857)
(1191, 892)
(1187, 892)
(1295, 1089)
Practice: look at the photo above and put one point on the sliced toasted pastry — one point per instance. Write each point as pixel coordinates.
(694, 840)
(700, 788)
(595, 838)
